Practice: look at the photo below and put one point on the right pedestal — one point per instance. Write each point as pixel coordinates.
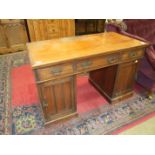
(115, 82)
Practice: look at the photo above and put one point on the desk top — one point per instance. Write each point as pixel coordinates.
(53, 51)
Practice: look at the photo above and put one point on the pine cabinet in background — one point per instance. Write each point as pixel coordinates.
(13, 35)
(44, 29)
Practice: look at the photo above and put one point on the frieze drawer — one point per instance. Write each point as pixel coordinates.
(98, 62)
(54, 71)
(132, 55)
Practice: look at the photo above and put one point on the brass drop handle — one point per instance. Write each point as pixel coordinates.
(56, 70)
(86, 64)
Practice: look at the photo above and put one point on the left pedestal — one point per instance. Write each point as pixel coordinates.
(58, 98)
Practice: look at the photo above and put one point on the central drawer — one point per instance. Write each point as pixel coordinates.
(54, 71)
(98, 62)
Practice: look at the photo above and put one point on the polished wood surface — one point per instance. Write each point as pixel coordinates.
(110, 58)
(44, 29)
(69, 48)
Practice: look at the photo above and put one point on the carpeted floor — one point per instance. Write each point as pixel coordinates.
(20, 111)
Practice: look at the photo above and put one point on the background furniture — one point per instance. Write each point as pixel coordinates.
(88, 26)
(13, 35)
(56, 28)
(111, 59)
(143, 30)
(44, 29)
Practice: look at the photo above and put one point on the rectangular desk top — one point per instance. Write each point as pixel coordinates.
(42, 53)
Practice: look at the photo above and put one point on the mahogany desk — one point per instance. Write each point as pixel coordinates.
(110, 58)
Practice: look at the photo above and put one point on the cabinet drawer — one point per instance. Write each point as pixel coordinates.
(132, 55)
(54, 71)
(98, 62)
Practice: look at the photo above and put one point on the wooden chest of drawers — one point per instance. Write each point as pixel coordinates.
(44, 29)
(111, 60)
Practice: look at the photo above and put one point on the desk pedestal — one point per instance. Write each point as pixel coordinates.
(58, 98)
(115, 82)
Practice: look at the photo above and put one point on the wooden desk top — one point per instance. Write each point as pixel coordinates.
(53, 51)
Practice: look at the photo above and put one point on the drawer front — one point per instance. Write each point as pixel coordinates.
(98, 62)
(129, 55)
(54, 71)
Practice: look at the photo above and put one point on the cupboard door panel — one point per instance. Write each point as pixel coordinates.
(68, 95)
(48, 96)
(58, 98)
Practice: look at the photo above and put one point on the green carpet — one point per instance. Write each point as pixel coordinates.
(145, 128)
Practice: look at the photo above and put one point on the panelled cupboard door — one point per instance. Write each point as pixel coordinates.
(44, 29)
(125, 77)
(58, 98)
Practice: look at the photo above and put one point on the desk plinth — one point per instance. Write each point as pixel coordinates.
(110, 58)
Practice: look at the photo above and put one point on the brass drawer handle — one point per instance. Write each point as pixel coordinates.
(56, 70)
(86, 64)
(132, 54)
(113, 59)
